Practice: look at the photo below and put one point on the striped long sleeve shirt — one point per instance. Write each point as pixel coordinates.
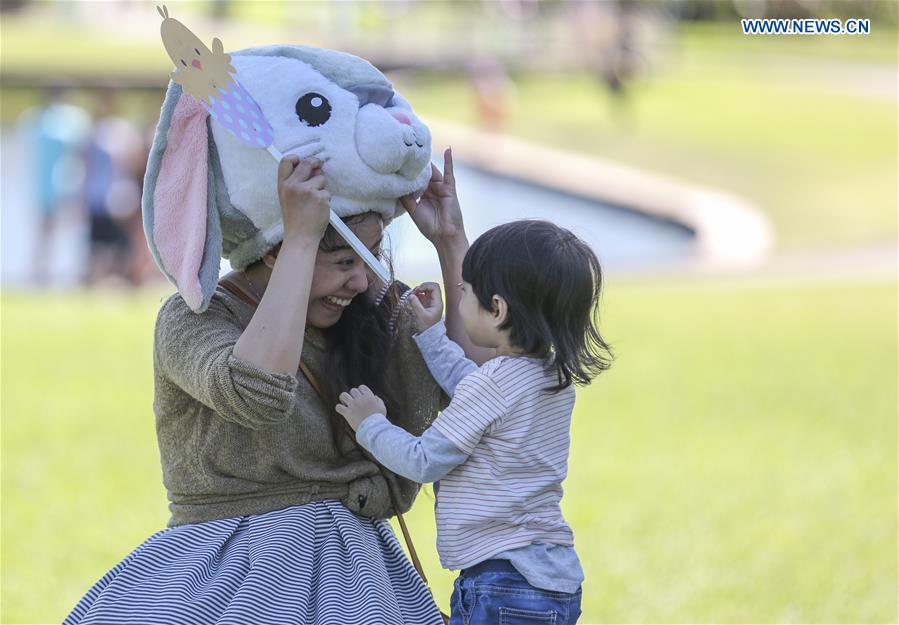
(500, 451)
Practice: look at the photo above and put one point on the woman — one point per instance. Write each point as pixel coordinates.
(277, 515)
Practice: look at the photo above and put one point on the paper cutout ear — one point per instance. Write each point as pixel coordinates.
(180, 217)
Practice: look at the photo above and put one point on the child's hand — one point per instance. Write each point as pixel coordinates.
(427, 305)
(358, 404)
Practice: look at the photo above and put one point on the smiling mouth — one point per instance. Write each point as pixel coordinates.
(337, 301)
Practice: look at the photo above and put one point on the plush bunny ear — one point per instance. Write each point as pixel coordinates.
(180, 215)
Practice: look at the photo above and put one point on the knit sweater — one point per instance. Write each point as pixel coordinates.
(235, 439)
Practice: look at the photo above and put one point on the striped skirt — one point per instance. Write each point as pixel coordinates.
(315, 563)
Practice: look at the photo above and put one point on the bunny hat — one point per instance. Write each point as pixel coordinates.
(208, 195)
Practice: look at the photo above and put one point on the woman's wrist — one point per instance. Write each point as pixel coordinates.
(455, 245)
(296, 254)
(424, 325)
(301, 239)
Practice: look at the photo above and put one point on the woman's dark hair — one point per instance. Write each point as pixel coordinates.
(359, 343)
(551, 281)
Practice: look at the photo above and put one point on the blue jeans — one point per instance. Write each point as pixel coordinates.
(494, 593)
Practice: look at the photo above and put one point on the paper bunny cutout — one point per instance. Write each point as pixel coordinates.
(208, 195)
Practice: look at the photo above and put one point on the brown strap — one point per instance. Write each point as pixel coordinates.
(312, 380)
(408, 538)
(396, 510)
(228, 284)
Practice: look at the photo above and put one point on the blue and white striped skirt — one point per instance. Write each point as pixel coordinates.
(315, 563)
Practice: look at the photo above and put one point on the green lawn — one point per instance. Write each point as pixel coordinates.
(737, 464)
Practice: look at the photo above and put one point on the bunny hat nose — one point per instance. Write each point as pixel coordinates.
(197, 64)
(401, 117)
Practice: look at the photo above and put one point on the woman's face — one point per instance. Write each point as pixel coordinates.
(341, 275)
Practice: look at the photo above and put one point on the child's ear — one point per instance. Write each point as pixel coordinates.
(500, 310)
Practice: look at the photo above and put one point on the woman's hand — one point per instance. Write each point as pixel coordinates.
(305, 203)
(358, 404)
(437, 214)
(427, 305)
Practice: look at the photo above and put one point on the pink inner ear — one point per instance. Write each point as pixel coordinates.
(179, 200)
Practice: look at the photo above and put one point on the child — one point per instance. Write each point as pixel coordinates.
(500, 449)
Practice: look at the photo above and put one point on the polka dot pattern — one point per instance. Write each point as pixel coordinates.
(237, 111)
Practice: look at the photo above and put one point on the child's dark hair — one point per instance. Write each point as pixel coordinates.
(551, 281)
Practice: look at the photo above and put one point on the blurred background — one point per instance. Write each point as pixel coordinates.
(738, 463)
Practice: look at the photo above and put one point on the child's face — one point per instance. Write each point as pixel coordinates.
(479, 323)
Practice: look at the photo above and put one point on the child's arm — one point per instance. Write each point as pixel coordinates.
(445, 359)
(423, 459)
(478, 403)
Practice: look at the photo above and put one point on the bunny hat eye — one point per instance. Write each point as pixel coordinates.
(313, 109)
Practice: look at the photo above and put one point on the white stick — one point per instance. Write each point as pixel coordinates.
(348, 235)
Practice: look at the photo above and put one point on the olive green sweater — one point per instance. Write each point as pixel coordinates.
(237, 440)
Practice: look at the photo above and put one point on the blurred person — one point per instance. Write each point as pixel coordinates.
(608, 32)
(57, 132)
(530, 290)
(494, 92)
(115, 158)
(142, 266)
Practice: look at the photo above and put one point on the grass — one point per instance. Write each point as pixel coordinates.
(737, 464)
